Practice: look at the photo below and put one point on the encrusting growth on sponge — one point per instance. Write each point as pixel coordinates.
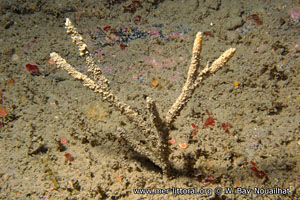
(158, 131)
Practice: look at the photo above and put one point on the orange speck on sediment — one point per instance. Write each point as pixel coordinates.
(172, 141)
(11, 82)
(235, 83)
(51, 62)
(63, 140)
(236, 182)
(182, 145)
(119, 178)
(3, 112)
(154, 83)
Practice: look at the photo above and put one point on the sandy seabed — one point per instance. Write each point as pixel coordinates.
(56, 138)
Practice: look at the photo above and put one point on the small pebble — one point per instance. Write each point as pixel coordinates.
(15, 57)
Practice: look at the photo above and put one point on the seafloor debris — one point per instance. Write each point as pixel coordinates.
(33, 69)
(258, 173)
(209, 121)
(255, 18)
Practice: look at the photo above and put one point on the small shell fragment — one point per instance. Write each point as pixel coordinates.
(182, 145)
